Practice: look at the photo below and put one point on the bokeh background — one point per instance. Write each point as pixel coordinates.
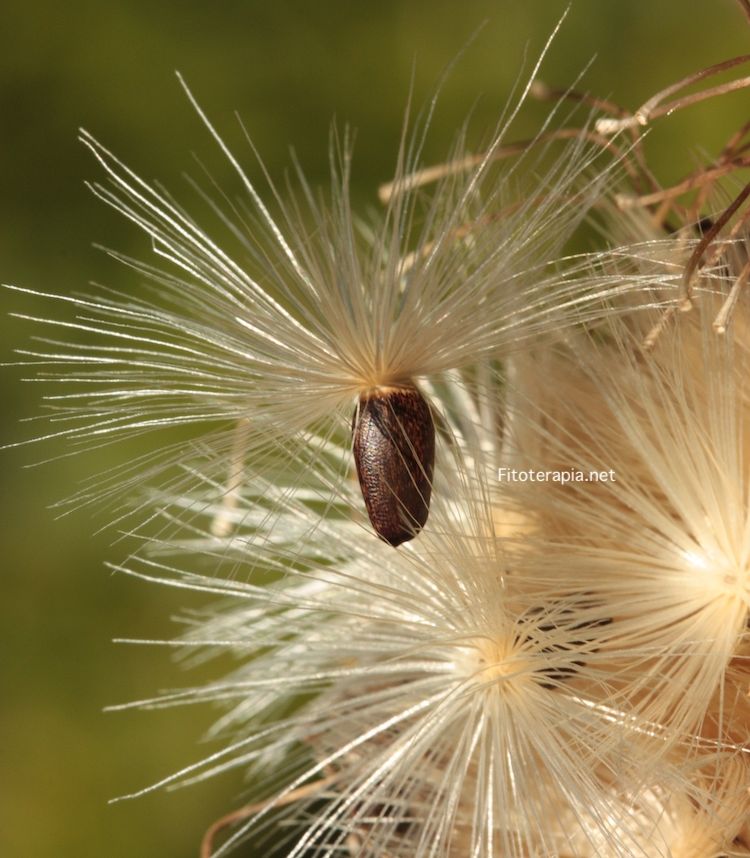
(288, 68)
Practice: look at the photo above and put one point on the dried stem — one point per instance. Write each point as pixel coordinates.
(653, 335)
(653, 108)
(732, 147)
(733, 234)
(684, 299)
(724, 315)
(544, 92)
(696, 180)
(426, 176)
(745, 6)
(697, 97)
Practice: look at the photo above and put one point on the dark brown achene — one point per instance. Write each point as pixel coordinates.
(394, 449)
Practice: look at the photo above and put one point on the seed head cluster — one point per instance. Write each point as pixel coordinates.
(430, 658)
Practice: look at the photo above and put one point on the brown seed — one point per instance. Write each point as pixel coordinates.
(394, 450)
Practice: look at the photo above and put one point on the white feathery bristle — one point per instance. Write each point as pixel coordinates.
(309, 311)
(448, 701)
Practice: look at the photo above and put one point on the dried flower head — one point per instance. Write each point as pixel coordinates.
(665, 541)
(440, 700)
(555, 667)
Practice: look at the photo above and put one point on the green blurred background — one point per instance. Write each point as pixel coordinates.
(288, 68)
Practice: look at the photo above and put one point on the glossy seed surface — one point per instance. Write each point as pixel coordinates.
(394, 451)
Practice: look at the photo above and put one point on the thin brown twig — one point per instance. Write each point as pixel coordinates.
(734, 232)
(653, 335)
(207, 844)
(731, 147)
(661, 214)
(693, 212)
(745, 6)
(730, 155)
(742, 149)
(653, 108)
(697, 97)
(684, 298)
(723, 317)
(428, 175)
(694, 181)
(544, 92)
